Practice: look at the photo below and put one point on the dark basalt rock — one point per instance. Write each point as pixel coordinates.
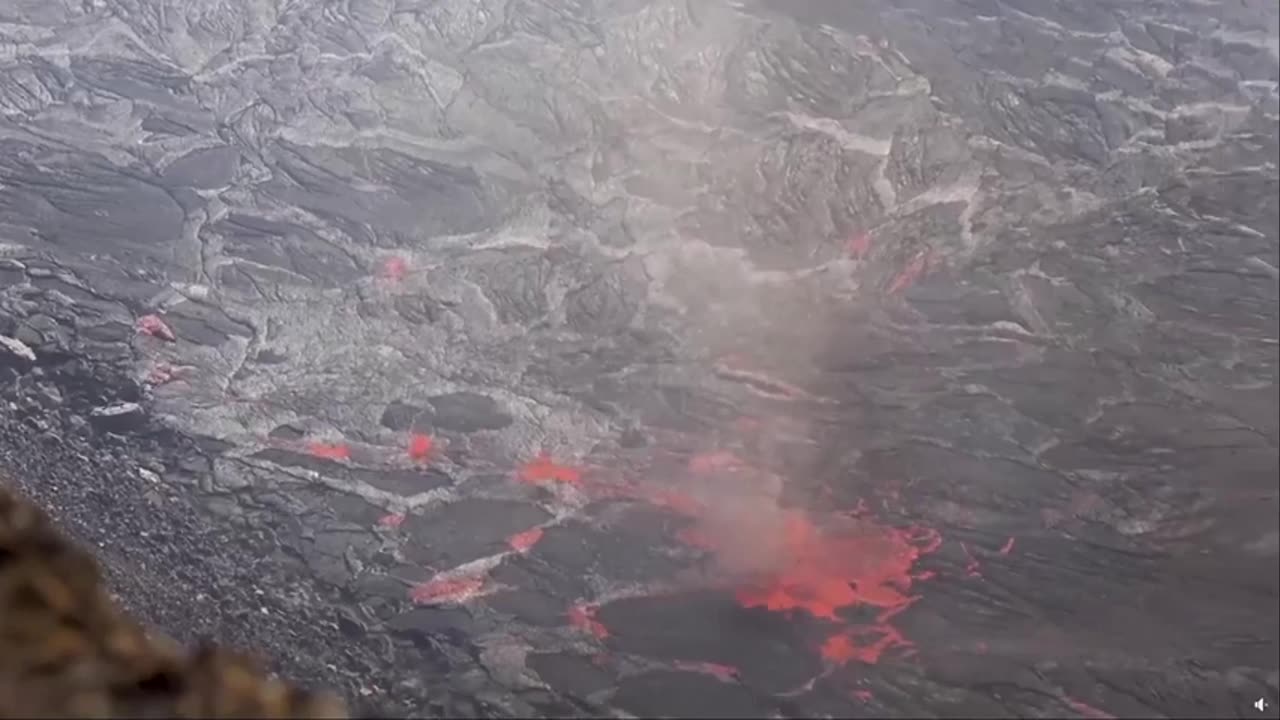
(468, 412)
(402, 416)
(482, 312)
(121, 417)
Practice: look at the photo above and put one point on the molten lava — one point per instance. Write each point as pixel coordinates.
(859, 245)
(420, 447)
(866, 564)
(395, 268)
(1086, 710)
(583, 617)
(786, 561)
(391, 521)
(446, 590)
(523, 541)
(910, 274)
(155, 327)
(864, 643)
(542, 470)
(330, 451)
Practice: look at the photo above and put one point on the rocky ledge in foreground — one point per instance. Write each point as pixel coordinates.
(442, 351)
(70, 651)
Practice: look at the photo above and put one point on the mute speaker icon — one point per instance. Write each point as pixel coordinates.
(1260, 704)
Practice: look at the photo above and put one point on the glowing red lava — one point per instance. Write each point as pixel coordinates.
(867, 564)
(155, 327)
(583, 617)
(391, 521)
(542, 469)
(859, 245)
(420, 447)
(330, 451)
(449, 590)
(523, 541)
(395, 268)
(910, 274)
(862, 643)
(822, 571)
(1086, 710)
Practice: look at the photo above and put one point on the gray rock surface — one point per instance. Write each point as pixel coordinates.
(436, 273)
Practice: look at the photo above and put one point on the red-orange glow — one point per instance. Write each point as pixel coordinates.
(523, 541)
(1086, 710)
(395, 268)
(453, 590)
(864, 644)
(910, 274)
(839, 648)
(542, 469)
(583, 617)
(330, 451)
(155, 327)
(420, 447)
(859, 245)
(391, 521)
(866, 564)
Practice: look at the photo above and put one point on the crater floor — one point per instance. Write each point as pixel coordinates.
(659, 358)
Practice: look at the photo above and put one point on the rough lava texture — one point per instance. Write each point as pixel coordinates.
(658, 357)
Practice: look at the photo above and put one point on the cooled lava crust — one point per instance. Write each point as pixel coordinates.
(663, 358)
